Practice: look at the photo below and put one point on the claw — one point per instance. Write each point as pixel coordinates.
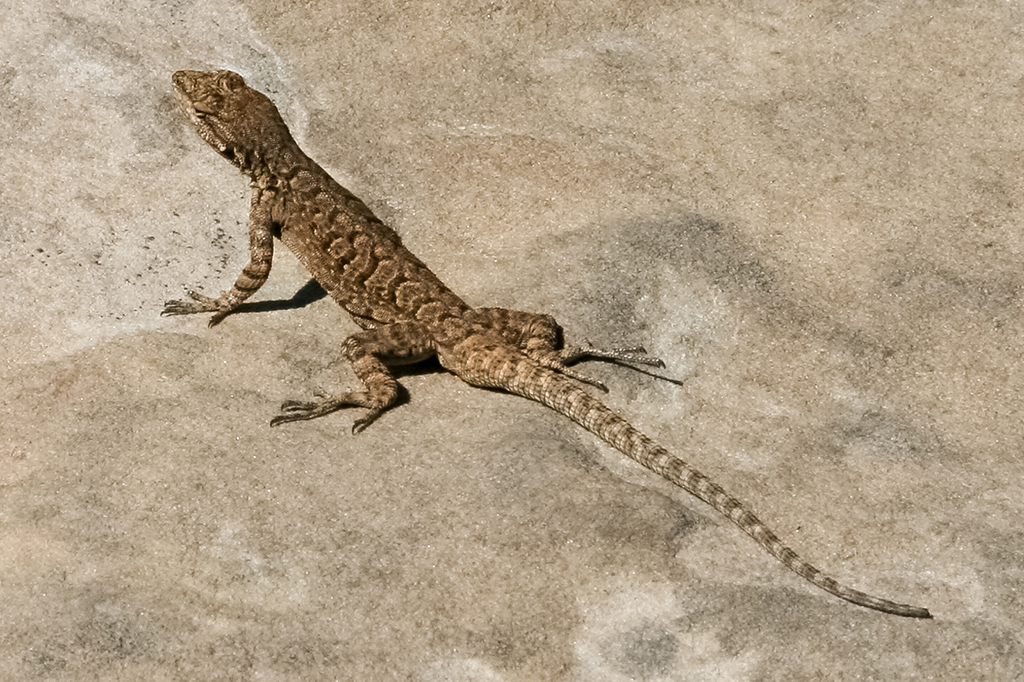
(360, 424)
(172, 308)
(636, 355)
(302, 410)
(293, 411)
(583, 378)
(279, 419)
(217, 317)
(296, 405)
(199, 304)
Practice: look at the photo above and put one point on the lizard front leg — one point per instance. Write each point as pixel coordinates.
(261, 254)
(542, 339)
(370, 352)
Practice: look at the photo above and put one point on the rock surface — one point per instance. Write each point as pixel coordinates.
(811, 211)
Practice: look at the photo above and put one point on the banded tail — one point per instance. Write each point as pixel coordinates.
(546, 386)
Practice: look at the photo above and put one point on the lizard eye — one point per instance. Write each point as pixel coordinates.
(229, 80)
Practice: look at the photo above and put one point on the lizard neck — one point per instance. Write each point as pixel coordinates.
(275, 169)
(273, 163)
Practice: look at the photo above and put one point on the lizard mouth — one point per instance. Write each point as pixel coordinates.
(185, 88)
(197, 116)
(209, 133)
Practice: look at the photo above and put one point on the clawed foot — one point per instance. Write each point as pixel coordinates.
(560, 360)
(637, 355)
(199, 304)
(300, 410)
(561, 368)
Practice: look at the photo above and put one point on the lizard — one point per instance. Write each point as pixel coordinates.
(408, 315)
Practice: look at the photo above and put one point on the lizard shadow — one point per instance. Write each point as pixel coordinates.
(433, 366)
(311, 292)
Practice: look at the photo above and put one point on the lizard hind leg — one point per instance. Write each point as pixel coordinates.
(561, 359)
(542, 338)
(370, 352)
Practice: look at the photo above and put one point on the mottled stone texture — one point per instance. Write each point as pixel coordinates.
(811, 211)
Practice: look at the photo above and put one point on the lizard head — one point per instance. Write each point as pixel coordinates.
(240, 123)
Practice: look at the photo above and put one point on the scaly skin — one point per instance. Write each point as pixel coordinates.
(408, 314)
